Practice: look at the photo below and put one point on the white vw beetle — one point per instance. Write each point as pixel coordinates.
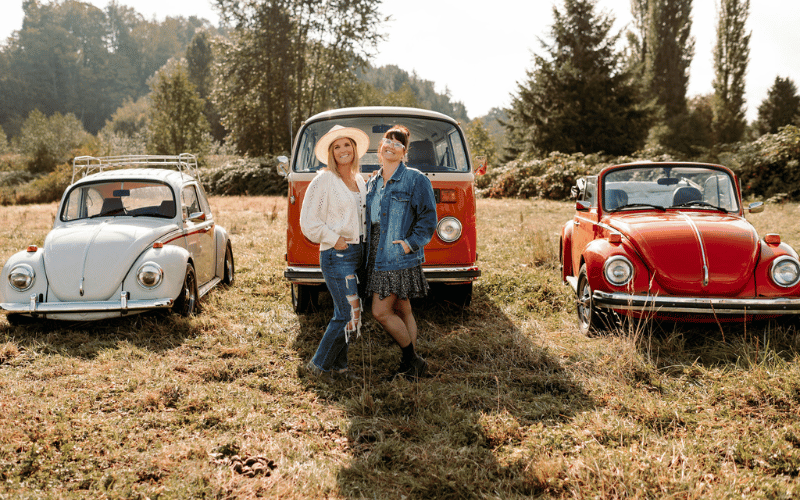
(132, 234)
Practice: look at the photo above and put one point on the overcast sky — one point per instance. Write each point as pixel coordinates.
(480, 53)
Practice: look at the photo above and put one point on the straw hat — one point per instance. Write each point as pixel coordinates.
(337, 132)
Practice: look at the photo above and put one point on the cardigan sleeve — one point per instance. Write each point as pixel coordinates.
(313, 212)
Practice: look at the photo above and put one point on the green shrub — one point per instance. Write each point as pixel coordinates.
(244, 176)
(45, 189)
(769, 166)
(548, 178)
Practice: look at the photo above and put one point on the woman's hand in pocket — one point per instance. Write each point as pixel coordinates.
(341, 244)
(406, 248)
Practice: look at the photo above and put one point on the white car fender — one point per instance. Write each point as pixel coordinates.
(172, 259)
(36, 261)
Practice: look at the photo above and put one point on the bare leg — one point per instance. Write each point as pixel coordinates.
(403, 310)
(387, 315)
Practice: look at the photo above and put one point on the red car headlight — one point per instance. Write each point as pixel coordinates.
(785, 271)
(618, 270)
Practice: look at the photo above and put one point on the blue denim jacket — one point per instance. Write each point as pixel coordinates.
(408, 212)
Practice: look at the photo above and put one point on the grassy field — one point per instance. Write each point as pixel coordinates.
(519, 404)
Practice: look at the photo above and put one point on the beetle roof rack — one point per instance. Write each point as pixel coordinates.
(85, 165)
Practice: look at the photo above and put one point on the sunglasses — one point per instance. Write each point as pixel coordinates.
(392, 144)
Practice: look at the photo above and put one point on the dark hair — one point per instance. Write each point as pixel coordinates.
(399, 133)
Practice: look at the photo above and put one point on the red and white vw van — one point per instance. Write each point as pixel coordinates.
(438, 148)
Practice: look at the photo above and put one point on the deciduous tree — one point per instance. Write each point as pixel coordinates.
(286, 60)
(480, 142)
(176, 123)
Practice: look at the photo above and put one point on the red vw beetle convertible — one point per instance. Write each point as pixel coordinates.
(669, 240)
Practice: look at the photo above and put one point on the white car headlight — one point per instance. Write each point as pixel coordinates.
(449, 229)
(618, 270)
(785, 271)
(21, 277)
(149, 275)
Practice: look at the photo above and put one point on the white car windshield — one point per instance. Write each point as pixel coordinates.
(133, 198)
(663, 187)
(435, 146)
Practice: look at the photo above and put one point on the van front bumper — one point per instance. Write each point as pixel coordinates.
(313, 275)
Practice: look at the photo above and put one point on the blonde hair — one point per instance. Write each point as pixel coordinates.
(333, 165)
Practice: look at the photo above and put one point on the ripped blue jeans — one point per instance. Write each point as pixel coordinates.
(339, 269)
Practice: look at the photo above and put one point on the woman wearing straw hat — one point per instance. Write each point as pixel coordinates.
(333, 216)
(401, 210)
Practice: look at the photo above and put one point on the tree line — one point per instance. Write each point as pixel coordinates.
(131, 84)
(183, 84)
(584, 95)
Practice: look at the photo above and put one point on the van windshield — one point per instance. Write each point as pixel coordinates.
(435, 146)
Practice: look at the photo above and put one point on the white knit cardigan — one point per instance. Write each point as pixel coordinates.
(329, 211)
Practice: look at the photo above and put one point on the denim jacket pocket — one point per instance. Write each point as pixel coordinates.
(399, 205)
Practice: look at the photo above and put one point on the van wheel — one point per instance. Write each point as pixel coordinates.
(304, 298)
(588, 316)
(186, 303)
(460, 295)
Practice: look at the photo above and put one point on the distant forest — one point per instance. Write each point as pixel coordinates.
(71, 57)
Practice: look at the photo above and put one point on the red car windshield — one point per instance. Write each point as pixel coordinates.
(664, 187)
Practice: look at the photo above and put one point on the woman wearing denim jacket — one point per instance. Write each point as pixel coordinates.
(401, 211)
(333, 216)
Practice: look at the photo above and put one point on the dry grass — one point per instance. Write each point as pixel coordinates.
(519, 404)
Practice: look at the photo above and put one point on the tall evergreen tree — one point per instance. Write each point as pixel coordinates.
(781, 107)
(731, 56)
(580, 98)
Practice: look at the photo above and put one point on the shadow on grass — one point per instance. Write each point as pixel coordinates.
(455, 433)
(153, 331)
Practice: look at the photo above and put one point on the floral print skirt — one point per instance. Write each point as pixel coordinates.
(405, 283)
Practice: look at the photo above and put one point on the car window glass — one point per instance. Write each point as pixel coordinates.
(434, 146)
(119, 199)
(191, 204)
(203, 198)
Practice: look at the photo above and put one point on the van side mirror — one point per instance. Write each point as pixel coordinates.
(283, 166)
(482, 163)
(756, 207)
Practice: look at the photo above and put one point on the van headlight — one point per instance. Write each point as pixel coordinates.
(448, 229)
(21, 277)
(785, 271)
(149, 275)
(618, 270)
